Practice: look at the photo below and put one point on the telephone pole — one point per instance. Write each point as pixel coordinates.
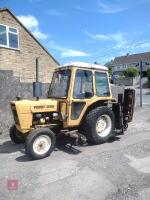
(141, 103)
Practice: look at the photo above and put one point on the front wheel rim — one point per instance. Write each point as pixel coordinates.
(42, 144)
(103, 125)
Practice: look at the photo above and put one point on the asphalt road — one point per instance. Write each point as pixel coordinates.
(118, 170)
(145, 96)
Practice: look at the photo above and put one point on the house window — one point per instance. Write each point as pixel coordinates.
(9, 37)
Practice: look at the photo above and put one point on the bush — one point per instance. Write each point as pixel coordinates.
(131, 72)
(148, 72)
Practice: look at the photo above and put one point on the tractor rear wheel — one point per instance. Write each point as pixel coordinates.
(99, 124)
(40, 143)
(16, 136)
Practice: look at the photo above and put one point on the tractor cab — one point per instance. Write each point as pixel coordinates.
(77, 86)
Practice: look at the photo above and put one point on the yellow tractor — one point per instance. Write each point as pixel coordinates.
(79, 99)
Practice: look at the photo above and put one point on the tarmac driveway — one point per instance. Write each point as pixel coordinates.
(116, 170)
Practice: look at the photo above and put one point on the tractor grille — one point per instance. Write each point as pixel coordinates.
(15, 114)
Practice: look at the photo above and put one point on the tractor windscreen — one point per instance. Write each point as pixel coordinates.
(60, 84)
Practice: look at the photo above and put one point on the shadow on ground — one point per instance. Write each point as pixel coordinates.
(9, 147)
(64, 143)
(67, 145)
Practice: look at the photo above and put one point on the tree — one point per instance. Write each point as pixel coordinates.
(109, 66)
(131, 72)
(110, 70)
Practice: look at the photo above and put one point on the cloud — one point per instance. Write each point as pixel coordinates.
(33, 1)
(133, 46)
(73, 53)
(103, 8)
(96, 37)
(53, 12)
(65, 52)
(141, 45)
(118, 38)
(109, 8)
(31, 23)
(121, 41)
(39, 35)
(77, 7)
(118, 44)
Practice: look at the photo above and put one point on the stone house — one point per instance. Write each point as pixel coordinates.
(19, 49)
(122, 62)
(18, 52)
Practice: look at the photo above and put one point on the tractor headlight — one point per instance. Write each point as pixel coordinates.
(47, 119)
(42, 121)
(55, 116)
(38, 115)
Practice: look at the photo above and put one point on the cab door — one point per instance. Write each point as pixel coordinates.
(82, 95)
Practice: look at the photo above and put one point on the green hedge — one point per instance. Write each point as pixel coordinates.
(131, 72)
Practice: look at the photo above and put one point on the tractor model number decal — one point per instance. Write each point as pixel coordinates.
(42, 107)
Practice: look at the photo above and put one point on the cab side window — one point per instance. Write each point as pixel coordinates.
(102, 85)
(83, 87)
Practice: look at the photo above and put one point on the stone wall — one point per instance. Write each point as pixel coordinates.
(22, 61)
(127, 81)
(10, 87)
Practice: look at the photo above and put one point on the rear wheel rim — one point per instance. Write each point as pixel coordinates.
(103, 125)
(42, 144)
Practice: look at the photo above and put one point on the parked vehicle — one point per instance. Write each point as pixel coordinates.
(80, 100)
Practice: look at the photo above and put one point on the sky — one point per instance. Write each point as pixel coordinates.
(86, 30)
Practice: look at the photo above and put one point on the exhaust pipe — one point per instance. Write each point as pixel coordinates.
(37, 86)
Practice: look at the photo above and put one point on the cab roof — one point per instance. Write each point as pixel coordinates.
(83, 65)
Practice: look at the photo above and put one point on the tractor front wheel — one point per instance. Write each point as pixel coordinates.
(40, 143)
(16, 136)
